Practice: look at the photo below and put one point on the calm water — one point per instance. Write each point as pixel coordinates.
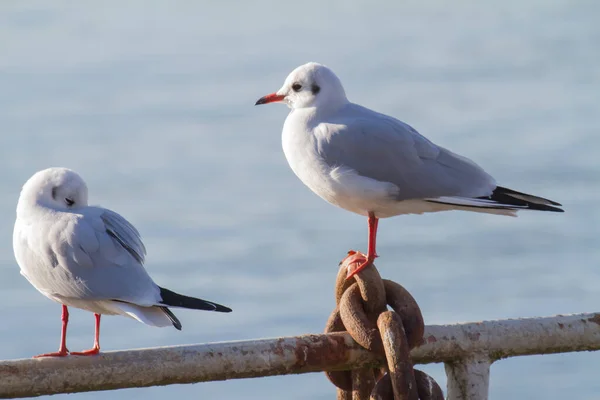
(153, 105)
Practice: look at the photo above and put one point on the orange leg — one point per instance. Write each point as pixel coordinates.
(96, 349)
(62, 350)
(357, 258)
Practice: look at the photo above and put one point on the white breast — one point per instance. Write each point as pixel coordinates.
(33, 267)
(340, 185)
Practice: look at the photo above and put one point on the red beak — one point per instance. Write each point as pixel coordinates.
(270, 98)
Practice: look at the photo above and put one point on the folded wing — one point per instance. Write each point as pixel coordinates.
(101, 255)
(387, 150)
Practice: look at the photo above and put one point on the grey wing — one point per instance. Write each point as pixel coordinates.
(124, 233)
(385, 149)
(103, 255)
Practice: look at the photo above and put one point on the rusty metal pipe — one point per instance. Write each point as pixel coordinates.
(292, 355)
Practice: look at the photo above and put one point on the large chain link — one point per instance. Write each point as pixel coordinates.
(361, 309)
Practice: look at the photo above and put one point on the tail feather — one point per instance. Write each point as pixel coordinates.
(153, 316)
(475, 205)
(172, 299)
(176, 323)
(501, 201)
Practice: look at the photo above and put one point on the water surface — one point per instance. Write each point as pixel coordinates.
(152, 103)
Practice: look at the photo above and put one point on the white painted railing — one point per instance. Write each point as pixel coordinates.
(466, 349)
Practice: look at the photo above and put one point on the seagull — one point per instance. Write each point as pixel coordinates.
(376, 165)
(88, 257)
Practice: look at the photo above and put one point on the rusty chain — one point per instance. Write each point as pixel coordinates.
(361, 309)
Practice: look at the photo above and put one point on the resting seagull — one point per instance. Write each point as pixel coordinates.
(88, 257)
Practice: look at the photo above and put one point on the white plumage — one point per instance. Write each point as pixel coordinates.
(88, 257)
(375, 165)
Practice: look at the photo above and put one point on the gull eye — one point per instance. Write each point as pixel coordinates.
(296, 87)
(315, 89)
(69, 201)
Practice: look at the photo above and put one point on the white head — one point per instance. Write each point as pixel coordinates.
(309, 85)
(57, 188)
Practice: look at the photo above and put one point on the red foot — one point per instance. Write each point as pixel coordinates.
(90, 352)
(356, 261)
(60, 353)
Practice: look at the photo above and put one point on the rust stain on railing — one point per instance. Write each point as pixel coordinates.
(291, 355)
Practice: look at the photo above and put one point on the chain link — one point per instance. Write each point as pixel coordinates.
(361, 309)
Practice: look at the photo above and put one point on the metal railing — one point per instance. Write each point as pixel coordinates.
(467, 350)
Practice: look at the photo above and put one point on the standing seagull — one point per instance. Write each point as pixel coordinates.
(88, 257)
(375, 165)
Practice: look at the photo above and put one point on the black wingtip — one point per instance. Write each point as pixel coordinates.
(173, 299)
(510, 192)
(221, 308)
(507, 196)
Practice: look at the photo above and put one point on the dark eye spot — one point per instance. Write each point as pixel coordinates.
(315, 88)
(69, 201)
(54, 189)
(296, 87)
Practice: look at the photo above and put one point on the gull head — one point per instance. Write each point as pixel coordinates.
(309, 85)
(60, 189)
